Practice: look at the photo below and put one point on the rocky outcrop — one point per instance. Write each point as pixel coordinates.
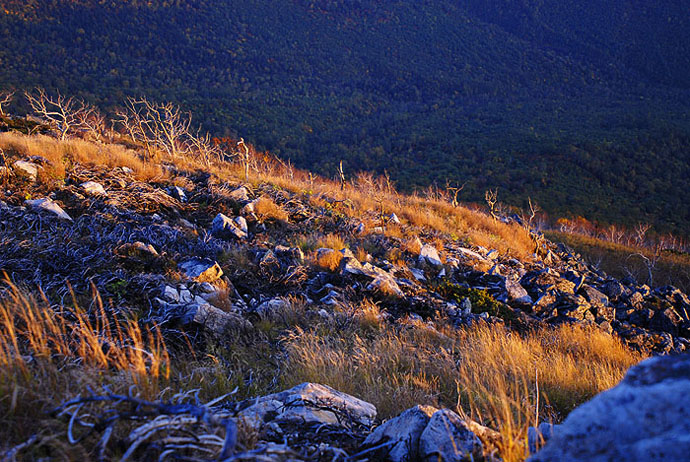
(427, 434)
(644, 418)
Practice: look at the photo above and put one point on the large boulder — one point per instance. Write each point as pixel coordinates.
(644, 418)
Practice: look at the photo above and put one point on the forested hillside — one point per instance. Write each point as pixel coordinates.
(581, 105)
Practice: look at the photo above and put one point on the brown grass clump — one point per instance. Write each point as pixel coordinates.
(491, 374)
(329, 260)
(265, 208)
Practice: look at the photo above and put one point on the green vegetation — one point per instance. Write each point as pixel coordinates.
(582, 107)
(481, 301)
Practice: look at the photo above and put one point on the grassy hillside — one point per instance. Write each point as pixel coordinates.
(99, 334)
(587, 113)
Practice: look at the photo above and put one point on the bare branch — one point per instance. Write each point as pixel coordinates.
(5, 98)
(64, 114)
(491, 197)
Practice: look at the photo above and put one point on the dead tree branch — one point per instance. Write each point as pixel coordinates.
(64, 114)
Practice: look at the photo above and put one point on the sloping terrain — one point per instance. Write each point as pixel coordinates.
(137, 291)
(582, 106)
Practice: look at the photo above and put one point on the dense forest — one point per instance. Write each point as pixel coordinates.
(583, 105)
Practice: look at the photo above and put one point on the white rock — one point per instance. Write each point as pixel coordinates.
(217, 321)
(178, 193)
(27, 168)
(240, 194)
(49, 206)
(385, 285)
(272, 307)
(186, 296)
(470, 253)
(170, 294)
(298, 405)
(393, 218)
(93, 189)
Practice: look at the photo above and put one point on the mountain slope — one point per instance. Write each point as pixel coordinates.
(584, 111)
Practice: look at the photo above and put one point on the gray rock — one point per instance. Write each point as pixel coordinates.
(170, 294)
(537, 437)
(28, 169)
(224, 228)
(48, 205)
(447, 438)
(393, 218)
(310, 403)
(406, 430)
(240, 194)
(429, 254)
(516, 293)
(272, 307)
(385, 285)
(469, 253)
(292, 253)
(418, 274)
(201, 269)
(215, 320)
(593, 296)
(360, 228)
(241, 223)
(644, 418)
(93, 189)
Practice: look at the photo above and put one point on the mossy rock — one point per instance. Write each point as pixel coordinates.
(481, 300)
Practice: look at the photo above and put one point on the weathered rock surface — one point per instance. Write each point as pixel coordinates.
(309, 403)
(644, 418)
(429, 254)
(404, 432)
(424, 433)
(448, 439)
(223, 227)
(27, 169)
(93, 188)
(47, 204)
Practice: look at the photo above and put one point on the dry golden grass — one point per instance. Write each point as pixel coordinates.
(328, 260)
(491, 374)
(61, 153)
(618, 260)
(332, 241)
(265, 208)
(30, 328)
